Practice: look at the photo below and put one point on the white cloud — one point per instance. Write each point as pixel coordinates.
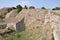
(23, 3)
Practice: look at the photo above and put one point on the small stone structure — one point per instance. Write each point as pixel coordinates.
(30, 16)
(32, 19)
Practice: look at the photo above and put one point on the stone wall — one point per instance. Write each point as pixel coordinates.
(20, 25)
(32, 20)
(38, 19)
(35, 18)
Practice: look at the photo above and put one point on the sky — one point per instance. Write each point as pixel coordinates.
(35, 3)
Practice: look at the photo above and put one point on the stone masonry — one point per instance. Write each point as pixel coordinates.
(31, 19)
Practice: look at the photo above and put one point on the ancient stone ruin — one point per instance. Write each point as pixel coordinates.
(46, 21)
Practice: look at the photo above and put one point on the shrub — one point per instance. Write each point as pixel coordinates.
(43, 8)
(25, 7)
(57, 8)
(19, 8)
(9, 9)
(31, 7)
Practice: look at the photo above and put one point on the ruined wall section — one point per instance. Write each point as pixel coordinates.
(35, 19)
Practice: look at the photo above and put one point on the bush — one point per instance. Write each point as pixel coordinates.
(57, 8)
(1, 20)
(31, 7)
(19, 8)
(43, 8)
(9, 9)
(25, 7)
(13, 8)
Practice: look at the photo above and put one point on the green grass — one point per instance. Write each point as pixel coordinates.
(52, 37)
(43, 38)
(34, 33)
(17, 36)
(1, 20)
(24, 35)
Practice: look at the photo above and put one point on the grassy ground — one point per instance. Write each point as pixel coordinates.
(20, 35)
(23, 36)
(1, 21)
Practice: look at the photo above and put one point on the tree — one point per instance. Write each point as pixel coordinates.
(19, 7)
(26, 7)
(13, 8)
(31, 7)
(57, 8)
(43, 8)
(9, 9)
(54, 9)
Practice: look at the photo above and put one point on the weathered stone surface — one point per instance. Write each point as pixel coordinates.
(44, 21)
(55, 24)
(2, 26)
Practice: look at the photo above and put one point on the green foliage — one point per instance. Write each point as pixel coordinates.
(43, 8)
(31, 7)
(57, 8)
(34, 33)
(13, 8)
(9, 9)
(1, 20)
(52, 37)
(18, 36)
(2, 15)
(19, 8)
(43, 38)
(24, 35)
(26, 7)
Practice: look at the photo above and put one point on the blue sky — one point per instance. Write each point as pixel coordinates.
(36, 3)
